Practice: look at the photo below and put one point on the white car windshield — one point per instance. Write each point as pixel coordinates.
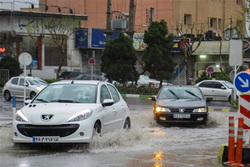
(67, 93)
(229, 85)
(36, 81)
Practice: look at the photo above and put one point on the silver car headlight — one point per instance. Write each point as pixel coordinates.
(159, 109)
(81, 116)
(19, 116)
(200, 110)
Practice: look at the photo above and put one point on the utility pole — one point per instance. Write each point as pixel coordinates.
(108, 23)
(131, 18)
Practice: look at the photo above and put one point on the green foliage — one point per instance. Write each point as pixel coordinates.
(202, 77)
(51, 80)
(133, 89)
(217, 76)
(119, 59)
(157, 56)
(221, 76)
(8, 62)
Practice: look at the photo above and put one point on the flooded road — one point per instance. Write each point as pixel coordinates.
(147, 144)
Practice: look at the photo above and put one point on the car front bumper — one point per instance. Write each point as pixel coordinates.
(78, 132)
(181, 117)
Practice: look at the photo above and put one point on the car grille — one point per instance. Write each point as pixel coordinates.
(47, 130)
(184, 110)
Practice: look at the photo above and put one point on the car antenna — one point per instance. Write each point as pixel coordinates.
(72, 81)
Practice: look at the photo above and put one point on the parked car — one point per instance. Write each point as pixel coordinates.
(180, 104)
(86, 76)
(216, 89)
(71, 112)
(68, 75)
(15, 86)
(145, 80)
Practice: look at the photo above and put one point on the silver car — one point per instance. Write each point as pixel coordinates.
(216, 89)
(15, 86)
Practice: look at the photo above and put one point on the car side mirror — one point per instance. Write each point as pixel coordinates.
(108, 102)
(152, 98)
(26, 102)
(223, 87)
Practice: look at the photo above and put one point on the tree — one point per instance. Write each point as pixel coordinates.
(119, 59)
(10, 63)
(157, 56)
(61, 29)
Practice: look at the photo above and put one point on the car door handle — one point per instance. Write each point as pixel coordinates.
(115, 112)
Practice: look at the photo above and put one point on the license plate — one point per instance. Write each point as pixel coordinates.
(45, 139)
(181, 116)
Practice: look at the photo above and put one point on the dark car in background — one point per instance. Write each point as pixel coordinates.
(68, 75)
(87, 76)
(180, 104)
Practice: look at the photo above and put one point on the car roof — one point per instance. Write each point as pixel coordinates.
(212, 80)
(184, 86)
(95, 82)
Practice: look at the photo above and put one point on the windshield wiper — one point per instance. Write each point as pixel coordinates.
(42, 100)
(64, 101)
(173, 93)
(191, 93)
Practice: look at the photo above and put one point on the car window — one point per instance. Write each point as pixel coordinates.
(21, 81)
(218, 85)
(104, 93)
(206, 85)
(14, 81)
(114, 93)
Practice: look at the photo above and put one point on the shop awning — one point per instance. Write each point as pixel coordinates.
(211, 48)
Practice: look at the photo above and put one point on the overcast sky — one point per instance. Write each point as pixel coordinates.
(7, 4)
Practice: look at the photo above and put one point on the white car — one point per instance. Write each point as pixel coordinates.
(15, 86)
(216, 89)
(145, 80)
(71, 112)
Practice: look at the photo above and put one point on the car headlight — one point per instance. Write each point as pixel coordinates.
(159, 109)
(200, 110)
(81, 116)
(19, 116)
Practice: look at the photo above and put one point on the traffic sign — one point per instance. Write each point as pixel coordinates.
(91, 61)
(210, 70)
(242, 82)
(25, 58)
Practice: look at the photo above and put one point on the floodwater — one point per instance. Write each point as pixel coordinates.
(147, 144)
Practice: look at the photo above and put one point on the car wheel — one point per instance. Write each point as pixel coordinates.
(127, 124)
(7, 95)
(97, 129)
(32, 95)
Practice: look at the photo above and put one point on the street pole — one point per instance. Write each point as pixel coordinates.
(108, 23)
(131, 18)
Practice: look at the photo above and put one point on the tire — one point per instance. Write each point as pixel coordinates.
(7, 95)
(97, 130)
(32, 95)
(127, 124)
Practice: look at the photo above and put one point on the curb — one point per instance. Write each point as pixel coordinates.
(136, 96)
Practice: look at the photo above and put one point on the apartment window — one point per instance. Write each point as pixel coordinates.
(187, 19)
(213, 23)
(219, 24)
(239, 2)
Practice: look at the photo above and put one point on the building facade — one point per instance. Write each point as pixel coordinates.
(182, 16)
